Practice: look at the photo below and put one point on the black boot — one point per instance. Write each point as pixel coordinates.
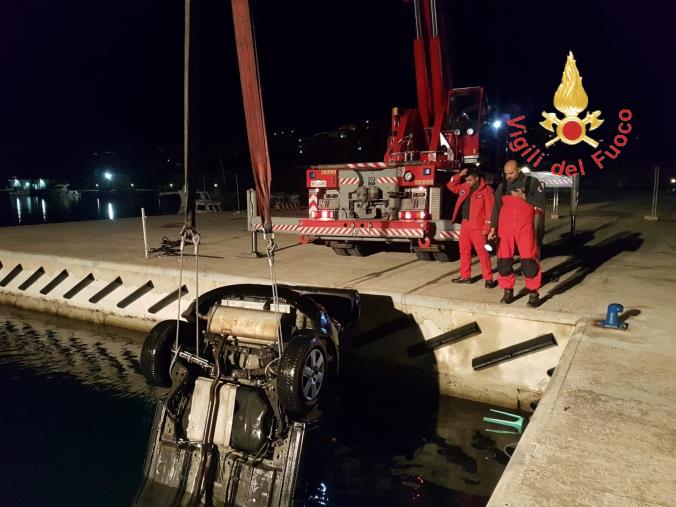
(533, 300)
(507, 297)
(461, 280)
(491, 284)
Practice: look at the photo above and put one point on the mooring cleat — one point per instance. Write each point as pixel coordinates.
(612, 320)
(516, 423)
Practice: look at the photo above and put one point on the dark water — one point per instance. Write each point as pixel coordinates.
(26, 210)
(76, 415)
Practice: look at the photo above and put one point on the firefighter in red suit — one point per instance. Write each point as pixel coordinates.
(474, 205)
(517, 200)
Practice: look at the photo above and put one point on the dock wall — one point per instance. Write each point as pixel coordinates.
(136, 296)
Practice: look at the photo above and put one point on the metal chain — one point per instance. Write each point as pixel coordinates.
(179, 294)
(195, 238)
(270, 250)
(196, 243)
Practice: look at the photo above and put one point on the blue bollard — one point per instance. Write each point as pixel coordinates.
(613, 317)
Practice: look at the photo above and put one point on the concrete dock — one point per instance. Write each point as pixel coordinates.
(603, 434)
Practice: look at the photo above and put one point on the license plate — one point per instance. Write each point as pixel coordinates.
(318, 183)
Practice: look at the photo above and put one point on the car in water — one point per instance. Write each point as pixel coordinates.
(250, 379)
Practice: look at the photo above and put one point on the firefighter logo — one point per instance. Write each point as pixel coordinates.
(571, 99)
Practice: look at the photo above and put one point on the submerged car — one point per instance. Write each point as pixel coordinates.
(250, 380)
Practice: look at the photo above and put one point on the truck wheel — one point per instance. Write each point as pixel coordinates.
(305, 374)
(445, 254)
(360, 249)
(156, 350)
(424, 256)
(341, 251)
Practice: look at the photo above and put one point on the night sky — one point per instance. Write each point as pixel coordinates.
(79, 76)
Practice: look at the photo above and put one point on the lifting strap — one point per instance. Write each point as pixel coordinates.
(253, 108)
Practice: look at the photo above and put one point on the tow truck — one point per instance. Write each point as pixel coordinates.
(356, 207)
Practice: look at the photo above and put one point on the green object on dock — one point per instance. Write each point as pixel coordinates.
(516, 422)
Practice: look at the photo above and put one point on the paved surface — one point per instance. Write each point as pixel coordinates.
(608, 236)
(605, 432)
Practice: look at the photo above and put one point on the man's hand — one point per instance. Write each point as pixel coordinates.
(463, 172)
(519, 194)
(491, 234)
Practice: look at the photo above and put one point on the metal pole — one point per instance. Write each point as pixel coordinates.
(555, 204)
(656, 189)
(237, 190)
(573, 203)
(418, 23)
(254, 243)
(145, 234)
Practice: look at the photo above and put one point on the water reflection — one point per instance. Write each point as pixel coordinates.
(64, 207)
(95, 356)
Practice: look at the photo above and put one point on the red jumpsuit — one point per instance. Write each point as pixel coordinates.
(473, 231)
(514, 220)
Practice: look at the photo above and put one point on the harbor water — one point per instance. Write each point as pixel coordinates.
(51, 208)
(77, 415)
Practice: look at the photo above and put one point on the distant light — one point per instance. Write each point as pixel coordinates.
(171, 185)
(300, 151)
(672, 180)
(44, 210)
(97, 185)
(41, 183)
(215, 185)
(358, 148)
(108, 175)
(525, 169)
(470, 132)
(132, 185)
(497, 124)
(111, 212)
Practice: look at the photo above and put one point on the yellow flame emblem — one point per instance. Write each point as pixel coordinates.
(571, 99)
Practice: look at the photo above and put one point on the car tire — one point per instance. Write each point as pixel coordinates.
(156, 350)
(306, 374)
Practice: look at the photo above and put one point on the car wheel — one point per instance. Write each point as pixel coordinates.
(156, 350)
(306, 372)
(341, 251)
